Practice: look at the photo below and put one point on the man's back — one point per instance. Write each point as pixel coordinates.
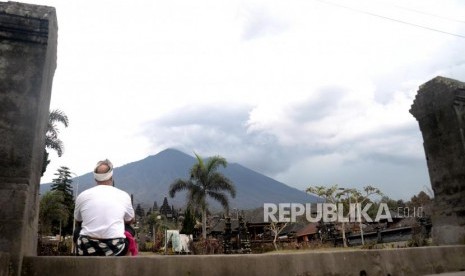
(103, 210)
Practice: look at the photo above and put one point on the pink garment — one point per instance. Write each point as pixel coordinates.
(132, 244)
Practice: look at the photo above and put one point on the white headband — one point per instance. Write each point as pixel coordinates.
(103, 176)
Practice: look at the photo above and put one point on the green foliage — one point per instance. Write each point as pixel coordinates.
(45, 162)
(189, 223)
(52, 210)
(392, 204)
(419, 238)
(164, 223)
(205, 181)
(139, 211)
(207, 247)
(62, 184)
(329, 194)
(422, 199)
(333, 194)
(51, 136)
(47, 247)
(369, 245)
(153, 226)
(345, 196)
(146, 246)
(152, 218)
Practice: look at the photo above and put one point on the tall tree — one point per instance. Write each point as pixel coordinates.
(362, 197)
(392, 204)
(205, 181)
(331, 195)
(52, 210)
(51, 136)
(276, 228)
(139, 211)
(423, 201)
(188, 224)
(355, 196)
(63, 184)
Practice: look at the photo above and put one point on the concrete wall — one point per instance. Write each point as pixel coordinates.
(439, 108)
(28, 40)
(410, 261)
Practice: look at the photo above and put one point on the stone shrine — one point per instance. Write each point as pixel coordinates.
(439, 108)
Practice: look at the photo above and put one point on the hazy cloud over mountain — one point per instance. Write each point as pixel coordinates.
(307, 92)
(327, 144)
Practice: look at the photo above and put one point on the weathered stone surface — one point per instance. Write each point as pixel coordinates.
(27, 63)
(4, 264)
(410, 261)
(28, 41)
(439, 108)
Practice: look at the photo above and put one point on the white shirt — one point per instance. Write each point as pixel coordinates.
(103, 210)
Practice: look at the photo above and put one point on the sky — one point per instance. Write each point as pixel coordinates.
(308, 92)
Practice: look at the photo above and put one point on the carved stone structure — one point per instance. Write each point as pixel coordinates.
(227, 236)
(244, 236)
(439, 108)
(166, 210)
(28, 41)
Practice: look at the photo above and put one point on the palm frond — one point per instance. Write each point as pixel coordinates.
(51, 135)
(221, 198)
(200, 162)
(197, 196)
(179, 185)
(219, 182)
(55, 144)
(198, 171)
(52, 131)
(58, 116)
(214, 163)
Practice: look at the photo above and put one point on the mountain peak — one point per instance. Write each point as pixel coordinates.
(170, 151)
(148, 180)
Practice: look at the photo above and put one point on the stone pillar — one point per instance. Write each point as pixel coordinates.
(28, 41)
(244, 236)
(439, 108)
(227, 236)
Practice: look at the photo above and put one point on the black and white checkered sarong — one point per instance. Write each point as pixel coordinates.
(88, 246)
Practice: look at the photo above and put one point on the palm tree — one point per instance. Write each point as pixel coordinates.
(51, 135)
(205, 181)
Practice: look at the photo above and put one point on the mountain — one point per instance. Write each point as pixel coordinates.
(148, 180)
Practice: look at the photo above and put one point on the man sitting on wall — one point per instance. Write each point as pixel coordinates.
(102, 212)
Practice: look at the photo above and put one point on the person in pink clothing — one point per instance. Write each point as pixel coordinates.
(102, 212)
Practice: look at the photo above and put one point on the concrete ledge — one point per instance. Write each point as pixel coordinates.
(409, 261)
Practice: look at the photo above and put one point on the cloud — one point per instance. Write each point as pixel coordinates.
(210, 130)
(320, 131)
(303, 91)
(259, 22)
